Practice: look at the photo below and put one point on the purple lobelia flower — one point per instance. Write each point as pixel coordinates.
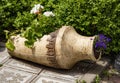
(102, 41)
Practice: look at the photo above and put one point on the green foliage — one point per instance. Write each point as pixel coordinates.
(16, 19)
(77, 81)
(1, 65)
(83, 81)
(88, 17)
(10, 45)
(8, 12)
(97, 79)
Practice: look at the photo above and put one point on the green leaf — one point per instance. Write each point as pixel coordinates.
(10, 45)
(1, 65)
(6, 33)
(29, 44)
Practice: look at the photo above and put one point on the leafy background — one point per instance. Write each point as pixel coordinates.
(88, 17)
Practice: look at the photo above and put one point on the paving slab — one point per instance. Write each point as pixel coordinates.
(24, 65)
(47, 79)
(4, 56)
(76, 72)
(11, 75)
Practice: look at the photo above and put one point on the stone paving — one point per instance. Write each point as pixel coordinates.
(20, 71)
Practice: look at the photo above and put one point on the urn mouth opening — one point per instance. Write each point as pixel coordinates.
(97, 54)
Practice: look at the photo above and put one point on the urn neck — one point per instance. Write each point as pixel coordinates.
(75, 46)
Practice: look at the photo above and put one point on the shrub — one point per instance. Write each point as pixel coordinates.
(88, 17)
(8, 12)
(13, 11)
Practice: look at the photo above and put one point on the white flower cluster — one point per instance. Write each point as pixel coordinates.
(36, 9)
(48, 13)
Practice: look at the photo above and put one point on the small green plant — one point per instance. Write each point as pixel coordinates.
(97, 79)
(83, 81)
(10, 45)
(110, 72)
(107, 73)
(1, 65)
(77, 81)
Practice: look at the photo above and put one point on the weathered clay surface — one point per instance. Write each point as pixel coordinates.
(59, 49)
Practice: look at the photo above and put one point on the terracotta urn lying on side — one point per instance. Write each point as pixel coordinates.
(60, 49)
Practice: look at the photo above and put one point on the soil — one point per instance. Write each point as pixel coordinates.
(2, 38)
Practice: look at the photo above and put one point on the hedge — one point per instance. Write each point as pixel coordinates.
(88, 17)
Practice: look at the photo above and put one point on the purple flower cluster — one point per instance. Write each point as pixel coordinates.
(102, 41)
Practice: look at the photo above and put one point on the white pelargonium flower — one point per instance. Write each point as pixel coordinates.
(38, 6)
(48, 13)
(36, 9)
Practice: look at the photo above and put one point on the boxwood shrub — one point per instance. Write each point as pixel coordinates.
(88, 17)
